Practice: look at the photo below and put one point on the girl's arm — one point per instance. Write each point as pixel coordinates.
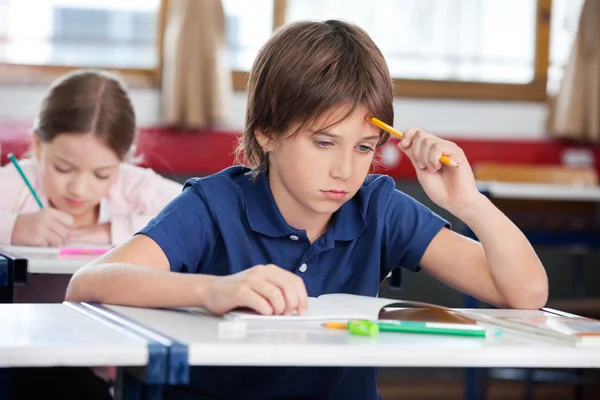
(12, 186)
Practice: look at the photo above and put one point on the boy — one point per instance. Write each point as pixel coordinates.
(309, 220)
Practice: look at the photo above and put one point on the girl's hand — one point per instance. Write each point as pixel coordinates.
(452, 188)
(47, 227)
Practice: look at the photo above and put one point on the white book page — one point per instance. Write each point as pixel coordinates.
(318, 309)
(337, 306)
(365, 305)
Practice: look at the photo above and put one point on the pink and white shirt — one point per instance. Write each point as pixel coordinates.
(136, 196)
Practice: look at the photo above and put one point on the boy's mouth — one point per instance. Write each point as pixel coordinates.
(334, 194)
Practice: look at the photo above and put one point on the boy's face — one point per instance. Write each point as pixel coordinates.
(77, 171)
(321, 168)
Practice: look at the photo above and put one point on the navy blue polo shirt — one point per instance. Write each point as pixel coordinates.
(228, 222)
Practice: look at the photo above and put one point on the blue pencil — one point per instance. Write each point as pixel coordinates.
(13, 159)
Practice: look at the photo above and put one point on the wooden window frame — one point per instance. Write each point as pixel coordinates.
(425, 88)
(415, 88)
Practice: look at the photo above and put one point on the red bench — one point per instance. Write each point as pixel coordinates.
(199, 153)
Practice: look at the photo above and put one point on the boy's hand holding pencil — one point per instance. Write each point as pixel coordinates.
(442, 167)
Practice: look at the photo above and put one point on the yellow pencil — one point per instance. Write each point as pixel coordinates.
(335, 325)
(444, 159)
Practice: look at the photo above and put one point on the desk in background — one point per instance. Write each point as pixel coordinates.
(41, 275)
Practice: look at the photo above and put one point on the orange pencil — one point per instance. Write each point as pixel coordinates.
(335, 325)
(444, 159)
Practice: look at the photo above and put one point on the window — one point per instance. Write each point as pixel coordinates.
(456, 40)
(565, 19)
(485, 49)
(249, 25)
(84, 33)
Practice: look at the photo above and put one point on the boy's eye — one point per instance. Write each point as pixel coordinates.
(323, 143)
(364, 149)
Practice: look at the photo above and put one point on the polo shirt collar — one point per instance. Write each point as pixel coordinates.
(265, 218)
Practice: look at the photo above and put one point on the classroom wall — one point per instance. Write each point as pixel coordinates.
(458, 118)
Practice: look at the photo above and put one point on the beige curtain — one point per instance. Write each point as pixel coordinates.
(575, 112)
(196, 79)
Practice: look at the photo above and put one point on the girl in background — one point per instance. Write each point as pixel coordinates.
(82, 139)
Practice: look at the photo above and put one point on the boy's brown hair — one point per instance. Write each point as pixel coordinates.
(307, 69)
(89, 101)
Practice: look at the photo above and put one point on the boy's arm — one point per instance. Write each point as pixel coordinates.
(138, 274)
(117, 278)
(503, 269)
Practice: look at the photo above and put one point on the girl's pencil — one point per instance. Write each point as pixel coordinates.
(444, 159)
(13, 159)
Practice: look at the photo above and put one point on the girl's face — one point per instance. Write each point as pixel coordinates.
(77, 171)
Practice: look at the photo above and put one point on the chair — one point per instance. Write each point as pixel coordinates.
(569, 224)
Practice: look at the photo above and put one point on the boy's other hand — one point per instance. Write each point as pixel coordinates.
(47, 227)
(266, 289)
(452, 188)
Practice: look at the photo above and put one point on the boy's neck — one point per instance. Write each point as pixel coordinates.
(315, 224)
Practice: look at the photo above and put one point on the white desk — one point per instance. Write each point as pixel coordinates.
(49, 261)
(538, 191)
(44, 335)
(308, 344)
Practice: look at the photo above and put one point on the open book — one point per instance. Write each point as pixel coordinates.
(571, 330)
(339, 306)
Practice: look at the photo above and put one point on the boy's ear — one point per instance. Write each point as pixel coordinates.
(265, 141)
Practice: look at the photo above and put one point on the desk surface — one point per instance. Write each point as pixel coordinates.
(39, 335)
(308, 344)
(42, 260)
(538, 191)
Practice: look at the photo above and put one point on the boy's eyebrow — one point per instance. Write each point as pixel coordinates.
(332, 135)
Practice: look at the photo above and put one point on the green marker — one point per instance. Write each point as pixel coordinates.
(363, 328)
(372, 328)
(437, 328)
(13, 159)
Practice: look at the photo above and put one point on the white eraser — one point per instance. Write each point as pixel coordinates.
(232, 329)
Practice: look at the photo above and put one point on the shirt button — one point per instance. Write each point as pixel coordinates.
(294, 237)
(303, 268)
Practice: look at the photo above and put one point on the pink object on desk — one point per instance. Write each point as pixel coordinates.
(82, 251)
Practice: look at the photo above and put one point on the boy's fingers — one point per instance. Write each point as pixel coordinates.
(256, 302)
(272, 293)
(291, 285)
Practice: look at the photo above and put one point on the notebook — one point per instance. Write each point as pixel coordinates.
(340, 306)
(571, 330)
